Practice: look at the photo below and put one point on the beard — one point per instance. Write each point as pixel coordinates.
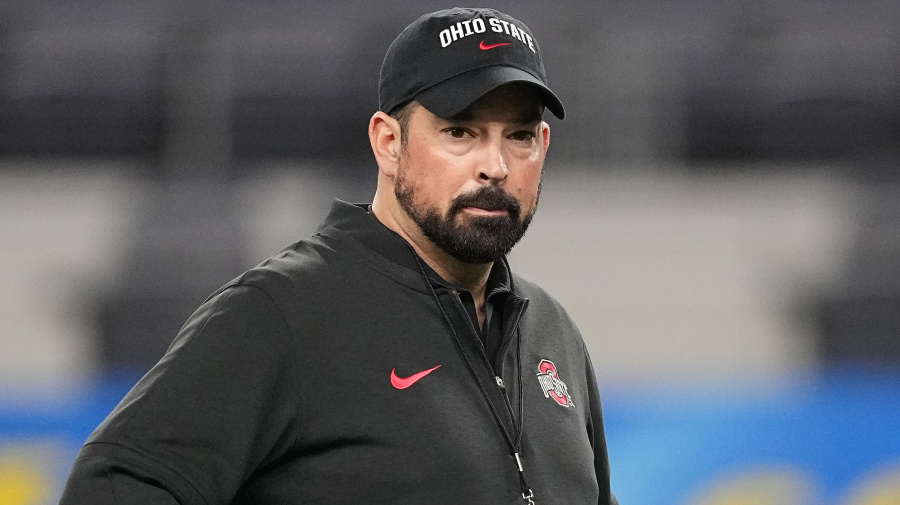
(470, 239)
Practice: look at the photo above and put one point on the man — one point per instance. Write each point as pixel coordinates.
(393, 357)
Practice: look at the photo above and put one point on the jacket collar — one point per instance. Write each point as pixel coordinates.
(356, 220)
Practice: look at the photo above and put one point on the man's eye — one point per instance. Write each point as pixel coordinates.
(456, 132)
(522, 136)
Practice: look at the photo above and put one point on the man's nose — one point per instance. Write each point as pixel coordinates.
(494, 166)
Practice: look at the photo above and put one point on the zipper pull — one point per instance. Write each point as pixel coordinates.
(500, 382)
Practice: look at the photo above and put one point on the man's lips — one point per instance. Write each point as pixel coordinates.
(486, 212)
(487, 202)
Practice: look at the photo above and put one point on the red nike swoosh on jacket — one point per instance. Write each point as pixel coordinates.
(405, 382)
(485, 47)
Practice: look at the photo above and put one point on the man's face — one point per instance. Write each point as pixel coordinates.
(471, 183)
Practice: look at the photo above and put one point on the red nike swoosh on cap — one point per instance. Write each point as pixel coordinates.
(485, 47)
(403, 383)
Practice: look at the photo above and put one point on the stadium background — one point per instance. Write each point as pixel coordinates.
(721, 215)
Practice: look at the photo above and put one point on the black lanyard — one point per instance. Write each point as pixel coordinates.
(513, 443)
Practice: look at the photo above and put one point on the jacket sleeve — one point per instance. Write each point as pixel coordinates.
(598, 437)
(222, 402)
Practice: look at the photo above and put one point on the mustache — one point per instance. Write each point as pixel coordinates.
(487, 197)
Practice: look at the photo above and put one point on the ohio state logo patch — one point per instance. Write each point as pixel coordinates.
(552, 385)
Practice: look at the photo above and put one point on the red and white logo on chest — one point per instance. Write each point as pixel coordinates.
(552, 385)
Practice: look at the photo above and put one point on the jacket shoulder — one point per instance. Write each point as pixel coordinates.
(304, 264)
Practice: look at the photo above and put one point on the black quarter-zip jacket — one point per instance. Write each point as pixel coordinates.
(284, 387)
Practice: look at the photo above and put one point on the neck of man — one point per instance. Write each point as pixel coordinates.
(471, 277)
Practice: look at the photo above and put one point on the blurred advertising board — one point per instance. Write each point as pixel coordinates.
(821, 439)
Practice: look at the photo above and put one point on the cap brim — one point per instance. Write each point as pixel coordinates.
(449, 98)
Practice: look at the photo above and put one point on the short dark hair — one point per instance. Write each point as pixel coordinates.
(402, 114)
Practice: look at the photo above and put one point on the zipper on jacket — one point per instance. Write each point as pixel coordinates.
(507, 338)
(498, 370)
(509, 409)
(527, 494)
(514, 444)
(515, 425)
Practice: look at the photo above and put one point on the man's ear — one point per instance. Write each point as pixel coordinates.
(545, 133)
(384, 136)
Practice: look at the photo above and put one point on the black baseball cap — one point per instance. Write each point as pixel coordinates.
(448, 59)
